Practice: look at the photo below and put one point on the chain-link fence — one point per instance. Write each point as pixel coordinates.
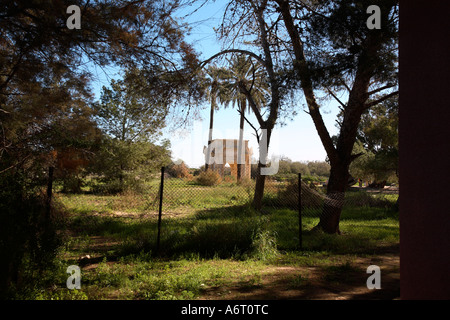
(213, 215)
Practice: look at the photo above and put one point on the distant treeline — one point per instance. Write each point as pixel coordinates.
(287, 169)
(311, 170)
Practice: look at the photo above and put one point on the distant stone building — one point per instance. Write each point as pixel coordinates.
(225, 151)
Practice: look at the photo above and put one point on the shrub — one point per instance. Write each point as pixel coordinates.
(208, 178)
(179, 171)
(108, 187)
(229, 179)
(72, 184)
(288, 196)
(30, 237)
(364, 199)
(264, 245)
(129, 183)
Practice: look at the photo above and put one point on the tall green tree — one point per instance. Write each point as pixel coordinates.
(131, 125)
(41, 60)
(377, 140)
(44, 92)
(334, 50)
(126, 116)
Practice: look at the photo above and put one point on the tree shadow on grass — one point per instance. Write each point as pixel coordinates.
(216, 232)
(226, 232)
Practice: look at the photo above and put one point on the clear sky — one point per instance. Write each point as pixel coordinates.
(297, 140)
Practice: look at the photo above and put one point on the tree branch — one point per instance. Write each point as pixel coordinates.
(337, 99)
(251, 125)
(375, 102)
(345, 85)
(353, 157)
(249, 53)
(381, 89)
(253, 105)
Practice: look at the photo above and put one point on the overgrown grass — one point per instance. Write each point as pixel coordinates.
(218, 240)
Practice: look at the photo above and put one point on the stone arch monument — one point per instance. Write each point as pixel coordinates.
(223, 151)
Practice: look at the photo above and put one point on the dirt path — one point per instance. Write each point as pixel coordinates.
(314, 283)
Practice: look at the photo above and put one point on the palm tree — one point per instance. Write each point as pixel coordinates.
(215, 93)
(243, 73)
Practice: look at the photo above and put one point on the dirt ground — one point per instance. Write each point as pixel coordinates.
(277, 283)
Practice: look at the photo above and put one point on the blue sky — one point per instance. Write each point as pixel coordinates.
(297, 140)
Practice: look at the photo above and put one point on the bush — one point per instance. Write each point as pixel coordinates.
(72, 184)
(130, 183)
(230, 179)
(208, 178)
(108, 187)
(264, 245)
(179, 171)
(288, 197)
(364, 199)
(30, 237)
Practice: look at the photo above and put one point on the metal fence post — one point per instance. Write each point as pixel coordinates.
(161, 189)
(300, 240)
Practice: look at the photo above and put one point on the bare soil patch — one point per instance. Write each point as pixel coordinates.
(316, 283)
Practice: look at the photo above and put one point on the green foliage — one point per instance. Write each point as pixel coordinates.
(378, 143)
(208, 178)
(179, 171)
(30, 237)
(243, 71)
(124, 165)
(311, 170)
(338, 42)
(127, 157)
(62, 294)
(319, 168)
(125, 115)
(264, 245)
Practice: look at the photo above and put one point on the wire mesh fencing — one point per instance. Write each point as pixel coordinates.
(362, 213)
(214, 215)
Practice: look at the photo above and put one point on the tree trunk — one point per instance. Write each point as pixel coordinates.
(262, 163)
(241, 142)
(340, 156)
(259, 188)
(211, 124)
(121, 176)
(332, 207)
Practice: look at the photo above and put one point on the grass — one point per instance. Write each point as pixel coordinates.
(210, 239)
(340, 273)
